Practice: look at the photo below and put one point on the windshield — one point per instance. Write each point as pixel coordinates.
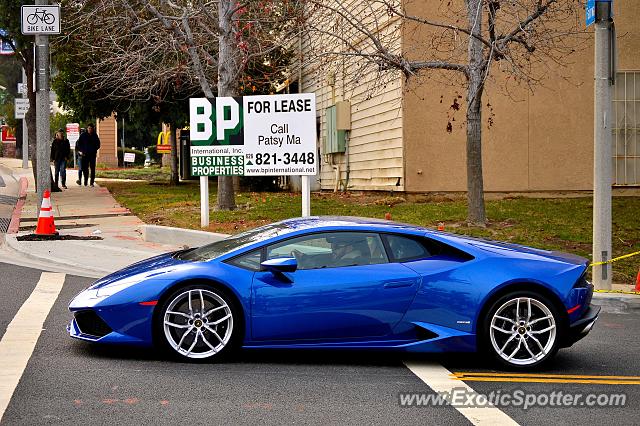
(213, 250)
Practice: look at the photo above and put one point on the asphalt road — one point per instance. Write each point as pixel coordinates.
(66, 381)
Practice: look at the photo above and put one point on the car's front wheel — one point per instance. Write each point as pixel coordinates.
(522, 330)
(198, 322)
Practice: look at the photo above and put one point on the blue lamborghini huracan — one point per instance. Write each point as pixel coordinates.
(341, 282)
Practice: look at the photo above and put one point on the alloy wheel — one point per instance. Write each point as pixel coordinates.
(523, 331)
(198, 323)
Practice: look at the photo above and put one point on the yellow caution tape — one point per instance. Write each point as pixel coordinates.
(617, 291)
(615, 259)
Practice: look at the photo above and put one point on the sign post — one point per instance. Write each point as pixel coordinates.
(600, 12)
(41, 20)
(21, 106)
(590, 12)
(128, 157)
(264, 135)
(5, 46)
(73, 134)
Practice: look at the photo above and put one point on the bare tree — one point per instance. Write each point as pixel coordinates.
(151, 49)
(470, 38)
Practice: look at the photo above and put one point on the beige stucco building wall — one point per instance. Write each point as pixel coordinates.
(540, 140)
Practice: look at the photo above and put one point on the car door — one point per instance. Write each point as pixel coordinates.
(446, 296)
(360, 295)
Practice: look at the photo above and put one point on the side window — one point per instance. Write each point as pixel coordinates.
(332, 250)
(403, 249)
(250, 261)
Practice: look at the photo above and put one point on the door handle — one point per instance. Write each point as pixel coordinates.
(398, 284)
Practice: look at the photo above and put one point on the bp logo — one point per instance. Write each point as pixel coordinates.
(217, 122)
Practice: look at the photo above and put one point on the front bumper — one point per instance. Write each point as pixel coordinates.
(111, 338)
(582, 326)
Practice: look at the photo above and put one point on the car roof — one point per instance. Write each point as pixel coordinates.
(332, 222)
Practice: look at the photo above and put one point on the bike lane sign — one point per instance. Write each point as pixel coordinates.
(40, 19)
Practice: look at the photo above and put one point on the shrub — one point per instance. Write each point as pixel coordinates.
(153, 152)
(259, 183)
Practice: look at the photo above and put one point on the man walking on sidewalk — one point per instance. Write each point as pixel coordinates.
(60, 150)
(88, 145)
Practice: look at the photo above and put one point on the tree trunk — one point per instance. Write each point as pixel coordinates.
(175, 178)
(475, 187)
(19, 138)
(227, 68)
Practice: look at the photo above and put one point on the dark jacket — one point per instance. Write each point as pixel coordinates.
(60, 149)
(88, 144)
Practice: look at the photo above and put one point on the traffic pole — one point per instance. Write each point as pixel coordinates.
(25, 131)
(604, 76)
(43, 174)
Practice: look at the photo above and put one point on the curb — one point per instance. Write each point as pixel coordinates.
(186, 237)
(14, 225)
(616, 303)
(12, 244)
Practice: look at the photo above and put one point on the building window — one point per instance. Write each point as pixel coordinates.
(626, 128)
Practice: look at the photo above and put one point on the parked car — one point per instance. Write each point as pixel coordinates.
(338, 283)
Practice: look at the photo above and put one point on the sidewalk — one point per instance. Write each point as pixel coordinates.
(81, 211)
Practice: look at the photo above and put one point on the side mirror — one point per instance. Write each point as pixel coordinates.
(280, 265)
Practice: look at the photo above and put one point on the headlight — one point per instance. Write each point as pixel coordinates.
(113, 288)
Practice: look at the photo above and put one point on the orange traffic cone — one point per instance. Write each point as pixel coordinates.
(441, 226)
(638, 282)
(45, 219)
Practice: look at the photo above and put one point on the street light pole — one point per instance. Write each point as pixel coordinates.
(43, 173)
(604, 75)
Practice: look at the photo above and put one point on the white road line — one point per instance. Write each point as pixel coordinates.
(23, 332)
(439, 379)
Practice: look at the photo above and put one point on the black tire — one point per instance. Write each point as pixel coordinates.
(537, 347)
(191, 332)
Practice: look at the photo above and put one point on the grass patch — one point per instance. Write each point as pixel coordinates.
(555, 224)
(151, 174)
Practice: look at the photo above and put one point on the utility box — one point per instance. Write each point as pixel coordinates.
(338, 119)
(343, 115)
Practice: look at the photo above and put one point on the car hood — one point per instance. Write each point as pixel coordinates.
(146, 268)
(510, 249)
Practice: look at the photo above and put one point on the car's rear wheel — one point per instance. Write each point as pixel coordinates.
(198, 322)
(522, 330)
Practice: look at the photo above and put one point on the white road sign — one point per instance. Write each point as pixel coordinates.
(21, 108)
(129, 157)
(22, 88)
(73, 132)
(270, 135)
(280, 135)
(40, 19)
